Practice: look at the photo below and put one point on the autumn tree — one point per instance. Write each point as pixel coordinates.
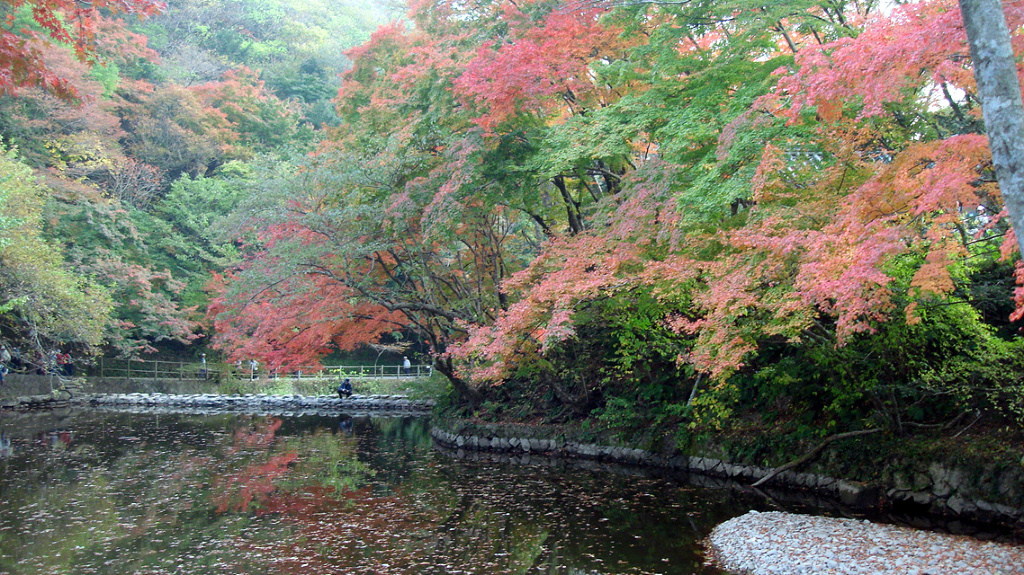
(172, 129)
(481, 136)
(418, 207)
(716, 191)
(263, 122)
(834, 206)
(682, 94)
(32, 24)
(75, 139)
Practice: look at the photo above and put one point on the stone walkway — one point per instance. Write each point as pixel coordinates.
(218, 403)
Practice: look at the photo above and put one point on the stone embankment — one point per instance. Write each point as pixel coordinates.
(935, 489)
(852, 494)
(216, 403)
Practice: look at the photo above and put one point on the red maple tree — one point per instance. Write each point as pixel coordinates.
(64, 22)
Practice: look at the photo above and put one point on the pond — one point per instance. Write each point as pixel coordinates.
(127, 493)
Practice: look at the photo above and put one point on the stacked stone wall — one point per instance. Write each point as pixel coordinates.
(975, 495)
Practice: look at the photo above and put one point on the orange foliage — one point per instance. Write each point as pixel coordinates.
(67, 22)
(296, 330)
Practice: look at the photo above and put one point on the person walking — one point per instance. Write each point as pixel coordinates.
(406, 365)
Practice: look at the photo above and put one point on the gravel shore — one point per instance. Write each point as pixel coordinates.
(788, 544)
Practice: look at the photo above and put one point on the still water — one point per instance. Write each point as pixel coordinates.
(86, 492)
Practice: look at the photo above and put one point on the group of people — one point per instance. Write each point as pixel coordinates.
(254, 367)
(57, 362)
(61, 363)
(5, 360)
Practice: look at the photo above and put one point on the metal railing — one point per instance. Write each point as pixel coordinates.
(150, 369)
(158, 369)
(369, 371)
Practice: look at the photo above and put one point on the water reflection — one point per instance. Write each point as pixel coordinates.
(82, 492)
(345, 424)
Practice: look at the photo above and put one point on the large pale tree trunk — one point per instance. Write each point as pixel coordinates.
(996, 73)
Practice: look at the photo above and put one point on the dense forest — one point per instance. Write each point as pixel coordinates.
(646, 212)
(131, 130)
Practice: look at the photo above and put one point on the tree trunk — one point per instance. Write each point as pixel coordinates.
(996, 73)
(572, 208)
(470, 395)
(579, 403)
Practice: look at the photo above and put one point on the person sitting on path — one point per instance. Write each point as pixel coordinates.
(345, 389)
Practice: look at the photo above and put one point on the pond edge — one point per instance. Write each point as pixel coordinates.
(947, 493)
(939, 490)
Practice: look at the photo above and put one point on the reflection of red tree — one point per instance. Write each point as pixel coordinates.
(364, 533)
(259, 437)
(237, 490)
(255, 481)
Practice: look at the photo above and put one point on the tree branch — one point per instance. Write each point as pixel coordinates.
(813, 453)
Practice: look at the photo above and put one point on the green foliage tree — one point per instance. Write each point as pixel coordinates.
(122, 250)
(43, 305)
